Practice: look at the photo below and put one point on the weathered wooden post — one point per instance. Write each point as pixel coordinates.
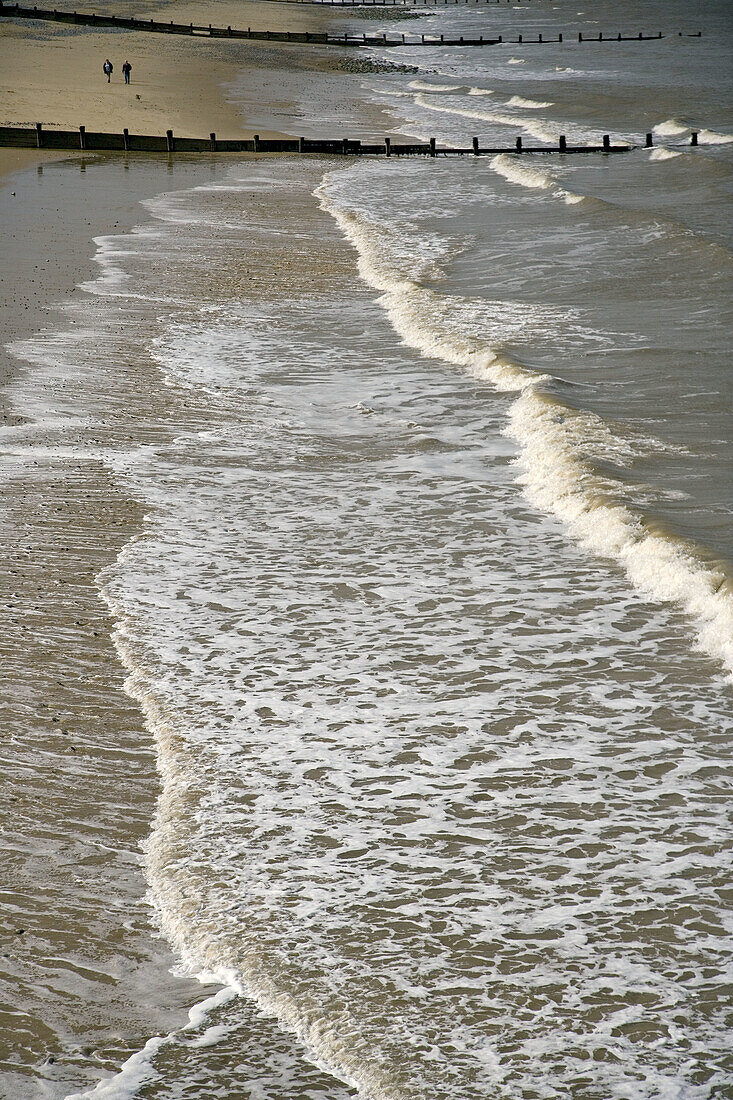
(693, 137)
(559, 38)
(388, 146)
(212, 140)
(563, 144)
(256, 140)
(649, 141)
(475, 146)
(539, 39)
(229, 31)
(82, 137)
(519, 39)
(432, 147)
(301, 145)
(39, 135)
(606, 143)
(126, 139)
(580, 36)
(170, 144)
(344, 145)
(519, 145)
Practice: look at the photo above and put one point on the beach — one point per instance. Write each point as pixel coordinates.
(366, 574)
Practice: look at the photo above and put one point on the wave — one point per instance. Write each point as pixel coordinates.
(554, 442)
(426, 86)
(671, 128)
(710, 137)
(532, 104)
(139, 1068)
(511, 169)
(664, 154)
(674, 128)
(480, 91)
(516, 61)
(542, 130)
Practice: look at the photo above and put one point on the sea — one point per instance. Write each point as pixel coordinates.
(430, 616)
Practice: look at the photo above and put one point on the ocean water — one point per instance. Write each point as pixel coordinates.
(431, 616)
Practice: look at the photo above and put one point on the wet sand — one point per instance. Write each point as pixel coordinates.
(85, 977)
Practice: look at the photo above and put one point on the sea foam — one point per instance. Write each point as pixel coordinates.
(554, 474)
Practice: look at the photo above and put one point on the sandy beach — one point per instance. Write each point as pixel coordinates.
(364, 573)
(95, 980)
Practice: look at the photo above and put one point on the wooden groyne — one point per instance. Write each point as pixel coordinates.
(92, 19)
(36, 137)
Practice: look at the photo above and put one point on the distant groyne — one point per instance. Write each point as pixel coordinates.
(92, 19)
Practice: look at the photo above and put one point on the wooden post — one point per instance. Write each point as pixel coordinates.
(229, 31)
(257, 143)
(344, 145)
(649, 141)
(212, 139)
(606, 143)
(432, 147)
(125, 139)
(559, 38)
(82, 137)
(693, 137)
(475, 146)
(171, 145)
(563, 144)
(519, 145)
(539, 38)
(301, 145)
(580, 36)
(519, 39)
(388, 146)
(39, 135)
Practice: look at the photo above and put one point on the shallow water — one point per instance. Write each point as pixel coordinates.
(431, 614)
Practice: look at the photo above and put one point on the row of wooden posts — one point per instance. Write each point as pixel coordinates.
(302, 37)
(408, 5)
(29, 137)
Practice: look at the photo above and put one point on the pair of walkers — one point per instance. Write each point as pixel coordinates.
(108, 69)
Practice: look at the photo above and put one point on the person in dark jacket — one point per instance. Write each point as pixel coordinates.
(107, 68)
(127, 69)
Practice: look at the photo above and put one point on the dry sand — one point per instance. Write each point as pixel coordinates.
(52, 72)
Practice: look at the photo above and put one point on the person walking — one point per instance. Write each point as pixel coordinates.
(127, 69)
(107, 68)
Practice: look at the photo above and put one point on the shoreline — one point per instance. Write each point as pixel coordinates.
(95, 981)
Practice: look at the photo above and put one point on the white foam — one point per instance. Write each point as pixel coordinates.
(516, 61)
(519, 172)
(663, 154)
(543, 130)
(711, 137)
(480, 91)
(426, 86)
(671, 128)
(531, 104)
(139, 1068)
(555, 477)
